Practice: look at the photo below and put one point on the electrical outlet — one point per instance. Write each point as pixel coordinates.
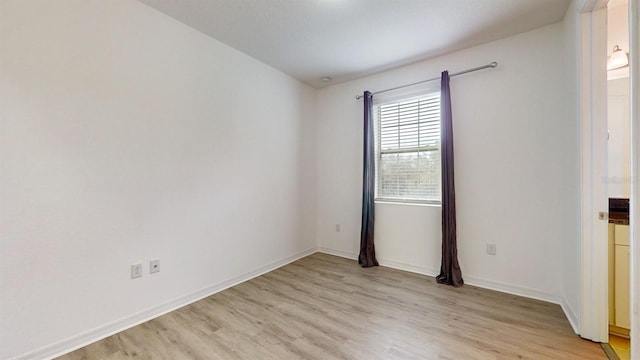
(491, 249)
(136, 271)
(154, 266)
(337, 227)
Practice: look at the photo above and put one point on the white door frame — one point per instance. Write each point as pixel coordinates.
(634, 77)
(594, 305)
(594, 314)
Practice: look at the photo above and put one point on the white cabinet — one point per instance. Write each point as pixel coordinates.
(621, 274)
(621, 234)
(612, 272)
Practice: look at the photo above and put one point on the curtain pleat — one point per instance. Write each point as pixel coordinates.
(450, 272)
(367, 255)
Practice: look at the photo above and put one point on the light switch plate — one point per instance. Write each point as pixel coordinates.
(136, 271)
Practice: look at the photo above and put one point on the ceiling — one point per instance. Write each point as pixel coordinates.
(348, 39)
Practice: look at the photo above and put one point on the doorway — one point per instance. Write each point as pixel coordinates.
(618, 177)
(596, 177)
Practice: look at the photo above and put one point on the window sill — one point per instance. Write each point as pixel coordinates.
(410, 203)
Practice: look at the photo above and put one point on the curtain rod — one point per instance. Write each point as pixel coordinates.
(492, 65)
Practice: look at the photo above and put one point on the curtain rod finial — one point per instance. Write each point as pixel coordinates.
(493, 64)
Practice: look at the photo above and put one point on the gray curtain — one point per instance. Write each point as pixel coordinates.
(367, 255)
(450, 273)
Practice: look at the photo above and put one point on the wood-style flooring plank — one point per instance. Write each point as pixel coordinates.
(326, 307)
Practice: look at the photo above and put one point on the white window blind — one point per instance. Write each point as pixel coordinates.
(408, 149)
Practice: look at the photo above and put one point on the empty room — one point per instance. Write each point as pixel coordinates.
(316, 179)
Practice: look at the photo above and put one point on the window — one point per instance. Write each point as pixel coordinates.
(408, 149)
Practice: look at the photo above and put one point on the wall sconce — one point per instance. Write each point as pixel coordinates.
(618, 59)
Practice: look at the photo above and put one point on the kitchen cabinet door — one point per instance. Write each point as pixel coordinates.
(622, 307)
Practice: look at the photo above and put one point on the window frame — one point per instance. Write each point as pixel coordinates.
(378, 102)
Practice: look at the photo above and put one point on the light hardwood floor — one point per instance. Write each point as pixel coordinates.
(327, 307)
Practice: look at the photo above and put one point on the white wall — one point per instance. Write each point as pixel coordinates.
(619, 144)
(618, 34)
(126, 136)
(516, 167)
(571, 278)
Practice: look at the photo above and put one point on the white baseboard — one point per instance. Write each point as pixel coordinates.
(470, 280)
(571, 315)
(422, 270)
(101, 332)
(383, 262)
(340, 253)
(86, 338)
(511, 289)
